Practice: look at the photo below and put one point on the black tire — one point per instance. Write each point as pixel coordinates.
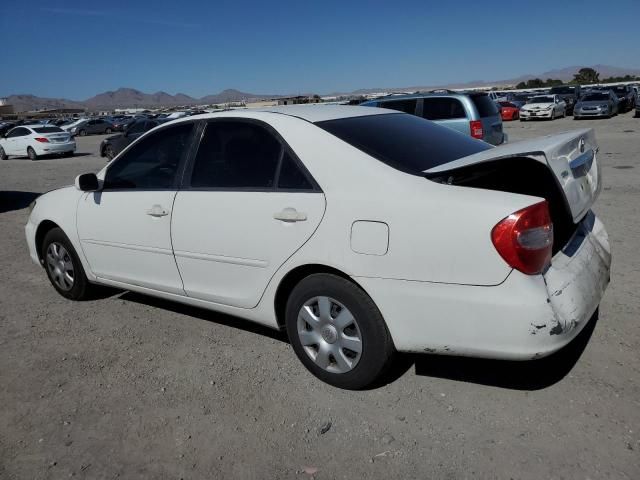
(82, 133)
(553, 115)
(80, 288)
(3, 155)
(377, 349)
(32, 153)
(108, 131)
(70, 154)
(109, 152)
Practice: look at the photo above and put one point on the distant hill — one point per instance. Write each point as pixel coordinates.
(129, 97)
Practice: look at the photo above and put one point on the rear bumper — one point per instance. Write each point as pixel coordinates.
(523, 318)
(47, 148)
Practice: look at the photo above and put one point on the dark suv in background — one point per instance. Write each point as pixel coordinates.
(471, 113)
(111, 146)
(570, 95)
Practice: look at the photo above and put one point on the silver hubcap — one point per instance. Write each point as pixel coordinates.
(329, 334)
(60, 266)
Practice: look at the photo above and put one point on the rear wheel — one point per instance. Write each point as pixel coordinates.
(63, 266)
(337, 332)
(32, 153)
(3, 155)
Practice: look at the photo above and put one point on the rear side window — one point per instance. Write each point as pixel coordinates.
(291, 176)
(405, 142)
(406, 106)
(48, 130)
(236, 155)
(443, 109)
(485, 106)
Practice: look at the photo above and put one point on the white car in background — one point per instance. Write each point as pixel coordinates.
(544, 106)
(36, 140)
(361, 231)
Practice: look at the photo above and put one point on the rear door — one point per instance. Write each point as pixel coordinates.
(446, 111)
(490, 117)
(246, 206)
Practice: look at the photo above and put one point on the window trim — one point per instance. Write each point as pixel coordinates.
(181, 165)
(284, 146)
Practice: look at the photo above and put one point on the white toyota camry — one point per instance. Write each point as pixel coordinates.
(360, 231)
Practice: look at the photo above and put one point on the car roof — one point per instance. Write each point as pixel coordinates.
(309, 113)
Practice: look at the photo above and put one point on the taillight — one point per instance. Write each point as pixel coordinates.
(476, 129)
(42, 139)
(524, 239)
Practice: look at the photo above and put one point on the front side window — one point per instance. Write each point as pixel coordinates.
(151, 163)
(235, 155)
(443, 109)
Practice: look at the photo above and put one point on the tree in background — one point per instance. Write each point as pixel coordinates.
(586, 75)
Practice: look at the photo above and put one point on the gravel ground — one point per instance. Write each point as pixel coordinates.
(131, 387)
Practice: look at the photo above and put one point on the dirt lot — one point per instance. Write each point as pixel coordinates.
(132, 387)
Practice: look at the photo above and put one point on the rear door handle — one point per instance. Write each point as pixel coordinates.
(157, 211)
(290, 215)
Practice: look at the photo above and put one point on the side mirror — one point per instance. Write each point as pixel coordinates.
(87, 182)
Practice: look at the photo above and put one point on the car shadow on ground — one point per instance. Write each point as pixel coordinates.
(52, 156)
(209, 316)
(11, 200)
(527, 375)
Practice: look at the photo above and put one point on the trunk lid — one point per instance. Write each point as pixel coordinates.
(60, 137)
(571, 156)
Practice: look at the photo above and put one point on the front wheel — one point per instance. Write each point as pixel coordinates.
(337, 332)
(63, 266)
(82, 133)
(108, 131)
(3, 154)
(32, 154)
(553, 115)
(109, 152)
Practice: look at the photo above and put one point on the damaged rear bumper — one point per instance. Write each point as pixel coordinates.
(525, 317)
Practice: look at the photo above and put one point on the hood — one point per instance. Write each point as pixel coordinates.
(537, 106)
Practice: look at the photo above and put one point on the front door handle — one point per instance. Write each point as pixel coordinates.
(290, 215)
(157, 211)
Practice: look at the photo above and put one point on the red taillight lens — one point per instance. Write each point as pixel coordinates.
(42, 140)
(525, 238)
(476, 129)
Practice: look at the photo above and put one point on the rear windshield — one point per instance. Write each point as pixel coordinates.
(486, 107)
(405, 142)
(595, 97)
(48, 130)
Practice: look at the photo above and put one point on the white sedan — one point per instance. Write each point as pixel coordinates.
(36, 140)
(360, 231)
(544, 106)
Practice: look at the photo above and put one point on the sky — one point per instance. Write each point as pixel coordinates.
(76, 49)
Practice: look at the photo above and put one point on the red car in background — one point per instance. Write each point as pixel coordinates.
(509, 111)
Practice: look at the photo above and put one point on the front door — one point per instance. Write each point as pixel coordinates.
(248, 204)
(125, 229)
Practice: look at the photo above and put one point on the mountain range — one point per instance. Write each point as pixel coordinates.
(129, 97)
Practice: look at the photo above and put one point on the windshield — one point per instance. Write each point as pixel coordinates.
(541, 100)
(593, 97)
(563, 90)
(48, 130)
(405, 142)
(620, 90)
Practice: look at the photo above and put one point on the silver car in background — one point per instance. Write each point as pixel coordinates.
(597, 103)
